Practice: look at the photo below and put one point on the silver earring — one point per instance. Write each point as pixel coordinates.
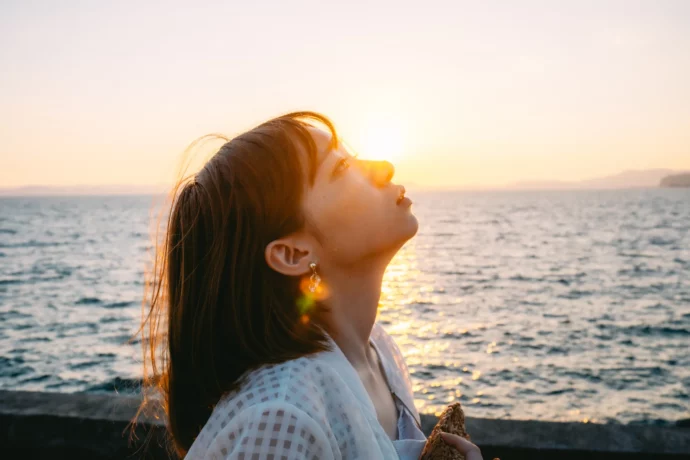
(314, 279)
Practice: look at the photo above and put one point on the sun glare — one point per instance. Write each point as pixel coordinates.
(381, 140)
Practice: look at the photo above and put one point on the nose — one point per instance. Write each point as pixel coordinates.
(379, 172)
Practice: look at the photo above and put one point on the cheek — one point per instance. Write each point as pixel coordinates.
(344, 211)
(347, 221)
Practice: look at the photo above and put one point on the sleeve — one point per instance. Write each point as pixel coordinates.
(275, 429)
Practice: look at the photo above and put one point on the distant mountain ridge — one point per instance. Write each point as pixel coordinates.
(642, 178)
(676, 180)
(645, 178)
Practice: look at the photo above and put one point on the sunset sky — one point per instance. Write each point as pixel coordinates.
(456, 93)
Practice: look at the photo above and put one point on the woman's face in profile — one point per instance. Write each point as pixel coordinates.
(355, 207)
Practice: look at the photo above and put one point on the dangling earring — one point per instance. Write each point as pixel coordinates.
(314, 279)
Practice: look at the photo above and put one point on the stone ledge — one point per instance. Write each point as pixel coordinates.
(573, 436)
(95, 426)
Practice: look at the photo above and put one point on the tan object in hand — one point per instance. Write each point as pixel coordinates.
(452, 420)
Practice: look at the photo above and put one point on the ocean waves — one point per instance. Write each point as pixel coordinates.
(531, 305)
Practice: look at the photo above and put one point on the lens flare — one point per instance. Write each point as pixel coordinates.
(306, 302)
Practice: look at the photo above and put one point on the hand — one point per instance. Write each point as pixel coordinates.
(466, 448)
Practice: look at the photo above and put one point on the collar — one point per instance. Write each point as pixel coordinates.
(337, 359)
(395, 368)
(392, 369)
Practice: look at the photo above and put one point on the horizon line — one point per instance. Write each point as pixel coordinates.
(164, 188)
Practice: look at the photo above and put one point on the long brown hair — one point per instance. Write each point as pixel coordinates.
(213, 308)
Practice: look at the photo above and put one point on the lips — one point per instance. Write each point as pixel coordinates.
(402, 199)
(401, 195)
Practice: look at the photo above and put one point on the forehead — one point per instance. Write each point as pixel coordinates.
(323, 140)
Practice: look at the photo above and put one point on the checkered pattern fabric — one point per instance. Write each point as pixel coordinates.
(307, 408)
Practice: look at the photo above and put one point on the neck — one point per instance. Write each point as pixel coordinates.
(354, 303)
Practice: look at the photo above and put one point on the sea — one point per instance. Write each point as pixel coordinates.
(543, 305)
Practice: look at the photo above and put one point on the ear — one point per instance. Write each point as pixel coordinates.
(290, 256)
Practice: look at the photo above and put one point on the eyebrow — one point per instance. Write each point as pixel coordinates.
(322, 158)
(330, 148)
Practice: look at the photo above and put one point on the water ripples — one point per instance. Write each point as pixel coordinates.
(530, 305)
(549, 305)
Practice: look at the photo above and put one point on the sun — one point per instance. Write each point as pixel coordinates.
(381, 140)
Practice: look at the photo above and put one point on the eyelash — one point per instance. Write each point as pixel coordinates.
(342, 162)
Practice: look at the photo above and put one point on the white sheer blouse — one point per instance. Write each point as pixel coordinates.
(314, 407)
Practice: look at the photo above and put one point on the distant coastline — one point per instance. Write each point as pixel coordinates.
(86, 190)
(676, 180)
(645, 178)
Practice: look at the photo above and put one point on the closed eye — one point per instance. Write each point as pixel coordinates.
(340, 166)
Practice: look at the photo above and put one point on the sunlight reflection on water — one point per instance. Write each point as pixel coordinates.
(547, 306)
(531, 321)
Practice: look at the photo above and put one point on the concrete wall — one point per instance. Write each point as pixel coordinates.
(56, 425)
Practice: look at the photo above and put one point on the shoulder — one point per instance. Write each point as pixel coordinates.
(275, 402)
(301, 382)
(274, 427)
(303, 396)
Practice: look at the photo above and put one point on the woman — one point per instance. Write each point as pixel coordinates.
(265, 294)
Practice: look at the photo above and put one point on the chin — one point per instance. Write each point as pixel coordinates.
(395, 235)
(406, 230)
(412, 225)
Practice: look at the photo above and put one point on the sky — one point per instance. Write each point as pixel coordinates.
(454, 93)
